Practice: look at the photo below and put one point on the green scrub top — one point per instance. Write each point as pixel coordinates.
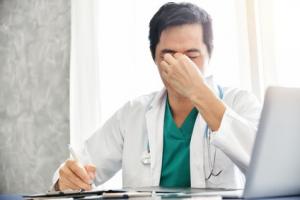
(175, 170)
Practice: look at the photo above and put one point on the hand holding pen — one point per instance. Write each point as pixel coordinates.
(73, 175)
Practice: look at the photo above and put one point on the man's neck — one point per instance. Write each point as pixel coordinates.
(180, 106)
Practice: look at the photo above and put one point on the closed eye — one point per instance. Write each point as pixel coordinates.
(193, 55)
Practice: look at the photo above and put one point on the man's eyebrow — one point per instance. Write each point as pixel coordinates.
(193, 50)
(164, 51)
(187, 51)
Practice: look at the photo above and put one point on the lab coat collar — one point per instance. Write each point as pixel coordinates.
(158, 98)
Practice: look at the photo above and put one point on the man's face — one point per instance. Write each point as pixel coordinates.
(185, 39)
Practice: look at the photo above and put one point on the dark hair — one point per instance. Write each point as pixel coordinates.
(176, 14)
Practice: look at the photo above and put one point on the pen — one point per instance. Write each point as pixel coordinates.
(75, 157)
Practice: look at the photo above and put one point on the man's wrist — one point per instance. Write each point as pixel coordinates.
(200, 96)
(211, 108)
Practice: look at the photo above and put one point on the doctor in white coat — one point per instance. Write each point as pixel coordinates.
(193, 133)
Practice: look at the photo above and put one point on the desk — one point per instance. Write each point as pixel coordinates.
(159, 194)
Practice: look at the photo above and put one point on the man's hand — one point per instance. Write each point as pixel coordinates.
(181, 74)
(72, 175)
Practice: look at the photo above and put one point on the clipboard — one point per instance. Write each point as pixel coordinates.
(72, 194)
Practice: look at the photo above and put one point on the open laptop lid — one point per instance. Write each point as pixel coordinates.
(275, 163)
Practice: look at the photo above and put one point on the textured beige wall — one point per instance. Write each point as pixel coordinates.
(34, 92)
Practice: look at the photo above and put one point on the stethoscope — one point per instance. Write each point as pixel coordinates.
(146, 157)
(211, 162)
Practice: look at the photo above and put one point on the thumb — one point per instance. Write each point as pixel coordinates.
(91, 170)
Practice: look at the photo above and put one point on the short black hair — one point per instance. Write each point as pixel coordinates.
(176, 14)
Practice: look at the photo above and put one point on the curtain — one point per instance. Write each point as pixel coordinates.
(84, 76)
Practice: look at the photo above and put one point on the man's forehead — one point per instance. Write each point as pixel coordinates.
(181, 37)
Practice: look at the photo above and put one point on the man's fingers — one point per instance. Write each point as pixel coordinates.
(164, 75)
(169, 59)
(91, 169)
(68, 174)
(178, 61)
(178, 56)
(77, 169)
(65, 184)
(165, 67)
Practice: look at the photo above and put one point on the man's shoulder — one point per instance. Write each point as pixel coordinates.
(141, 103)
(144, 100)
(240, 99)
(234, 93)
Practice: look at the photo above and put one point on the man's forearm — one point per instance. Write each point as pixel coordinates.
(210, 107)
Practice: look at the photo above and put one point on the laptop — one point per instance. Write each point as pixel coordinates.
(275, 162)
(274, 169)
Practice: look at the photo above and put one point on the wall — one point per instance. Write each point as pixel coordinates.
(34, 92)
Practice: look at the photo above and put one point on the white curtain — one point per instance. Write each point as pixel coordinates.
(274, 43)
(84, 76)
(279, 41)
(85, 84)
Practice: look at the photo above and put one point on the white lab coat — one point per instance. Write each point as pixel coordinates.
(123, 139)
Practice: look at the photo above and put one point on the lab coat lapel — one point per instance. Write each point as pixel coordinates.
(196, 154)
(155, 122)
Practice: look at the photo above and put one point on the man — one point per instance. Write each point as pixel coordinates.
(193, 133)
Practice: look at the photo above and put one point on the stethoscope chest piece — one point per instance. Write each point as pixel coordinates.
(146, 158)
